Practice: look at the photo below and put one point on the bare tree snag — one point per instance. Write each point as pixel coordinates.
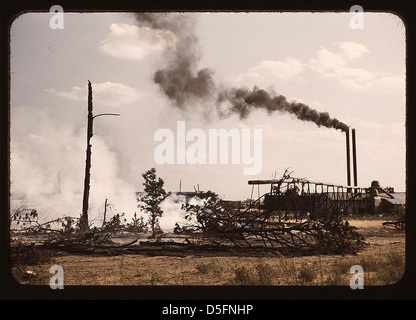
(83, 223)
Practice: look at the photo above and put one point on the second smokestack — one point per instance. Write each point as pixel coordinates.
(347, 135)
(354, 157)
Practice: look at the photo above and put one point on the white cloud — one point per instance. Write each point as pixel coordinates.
(353, 50)
(332, 61)
(327, 61)
(106, 93)
(135, 43)
(341, 66)
(337, 66)
(274, 69)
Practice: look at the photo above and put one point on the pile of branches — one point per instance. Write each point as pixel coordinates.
(399, 222)
(211, 224)
(65, 234)
(262, 229)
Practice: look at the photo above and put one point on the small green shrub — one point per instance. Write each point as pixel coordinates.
(334, 279)
(244, 276)
(206, 268)
(262, 274)
(265, 273)
(155, 279)
(306, 274)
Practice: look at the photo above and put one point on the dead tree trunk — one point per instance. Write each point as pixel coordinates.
(83, 223)
(105, 211)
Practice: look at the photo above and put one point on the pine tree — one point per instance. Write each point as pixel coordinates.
(154, 194)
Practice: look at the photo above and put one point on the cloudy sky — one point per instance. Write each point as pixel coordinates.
(356, 75)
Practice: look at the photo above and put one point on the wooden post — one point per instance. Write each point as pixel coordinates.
(83, 223)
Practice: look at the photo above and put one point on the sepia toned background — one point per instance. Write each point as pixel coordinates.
(357, 76)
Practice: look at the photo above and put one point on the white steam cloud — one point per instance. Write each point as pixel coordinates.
(47, 164)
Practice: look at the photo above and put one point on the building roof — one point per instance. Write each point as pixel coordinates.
(398, 198)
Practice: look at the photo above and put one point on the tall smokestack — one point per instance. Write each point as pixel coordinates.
(354, 157)
(347, 135)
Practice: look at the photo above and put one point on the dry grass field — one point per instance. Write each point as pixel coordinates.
(382, 259)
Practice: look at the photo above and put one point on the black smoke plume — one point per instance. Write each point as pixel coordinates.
(242, 101)
(184, 84)
(180, 80)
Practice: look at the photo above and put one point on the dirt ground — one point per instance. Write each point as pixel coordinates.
(382, 259)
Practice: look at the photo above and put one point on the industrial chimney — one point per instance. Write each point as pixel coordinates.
(354, 157)
(347, 135)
